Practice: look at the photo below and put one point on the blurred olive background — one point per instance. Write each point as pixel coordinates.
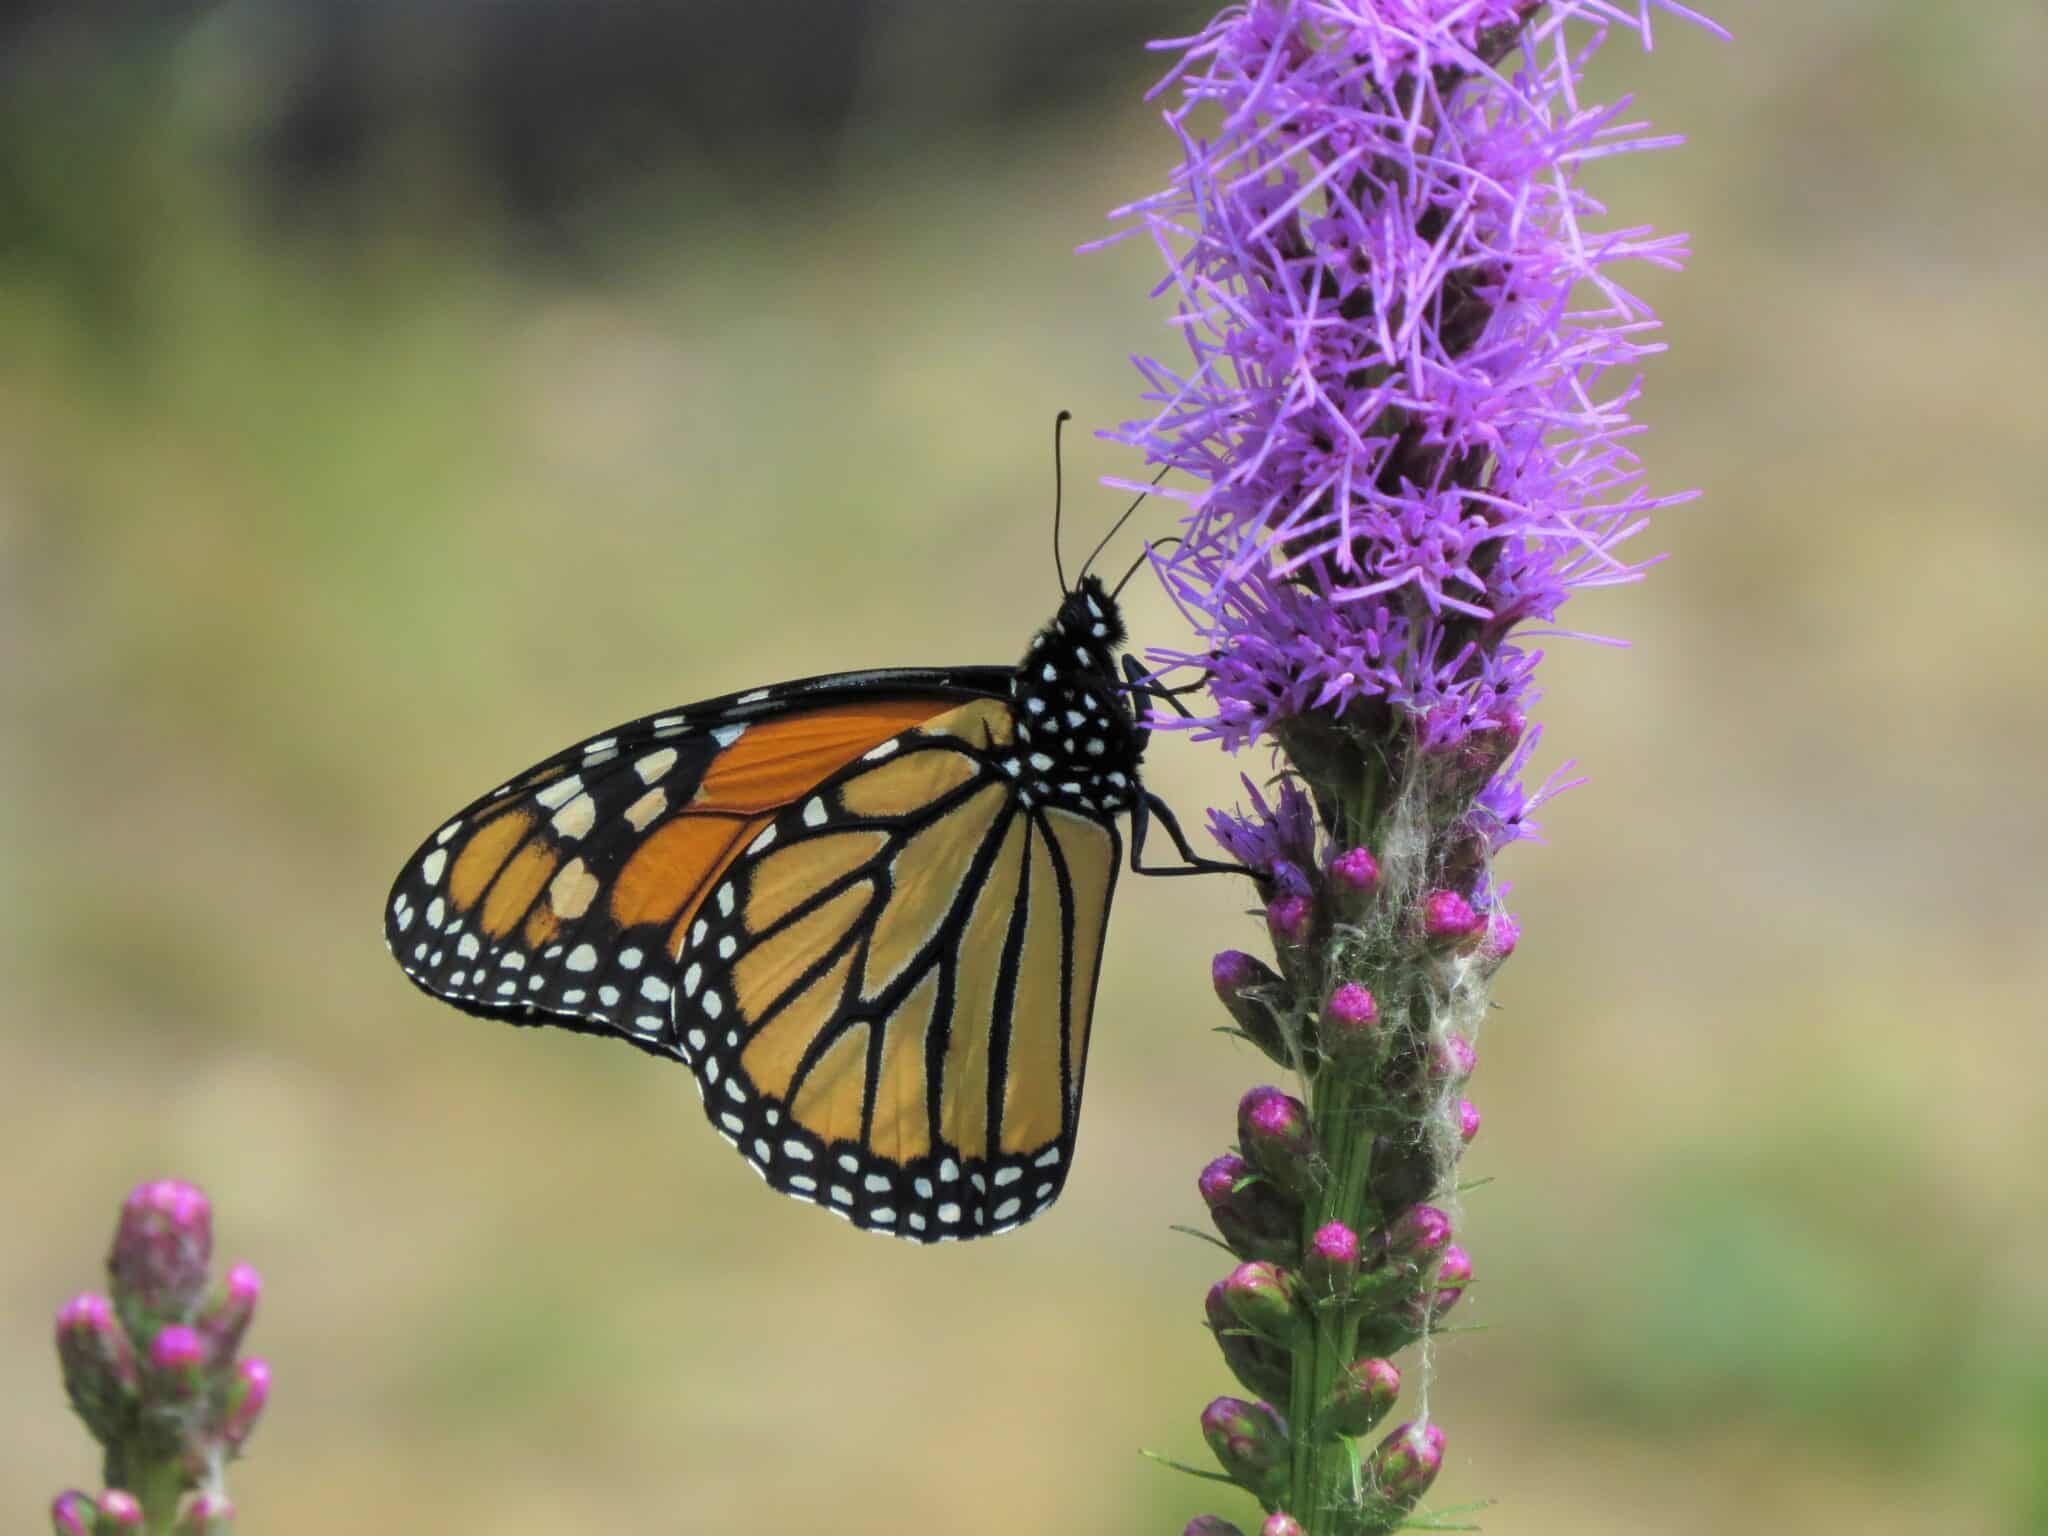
(391, 393)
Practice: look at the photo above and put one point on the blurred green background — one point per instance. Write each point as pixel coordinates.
(390, 394)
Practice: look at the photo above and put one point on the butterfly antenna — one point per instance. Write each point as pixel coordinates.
(1058, 488)
(1150, 550)
(1118, 524)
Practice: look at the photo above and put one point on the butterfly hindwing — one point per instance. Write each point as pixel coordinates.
(887, 998)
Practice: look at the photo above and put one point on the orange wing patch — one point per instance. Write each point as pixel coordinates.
(780, 761)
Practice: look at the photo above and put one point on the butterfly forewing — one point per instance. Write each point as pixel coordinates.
(560, 896)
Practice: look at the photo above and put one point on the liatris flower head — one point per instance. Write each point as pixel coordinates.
(1280, 1523)
(72, 1513)
(153, 1372)
(1259, 1364)
(1406, 414)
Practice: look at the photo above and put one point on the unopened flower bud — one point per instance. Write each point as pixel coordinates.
(1262, 1296)
(1405, 1463)
(177, 1357)
(1468, 1120)
(1351, 1024)
(1252, 991)
(1417, 1237)
(1280, 1523)
(1290, 905)
(1273, 1129)
(161, 1249)
(1210, 1525)
(1249, 1439)
(1291, 919)
(71, 1513)
(247, 1392)
(228, 1310)
(1331, 1264)
(1452, 1276)
(98, 1363)
(1454, 1060)
(1365, 1390)
(1254, 1215)
(1503, 933)
(119, 1511)
(1261, 1365)
(1355, 873)
(204, 1514)
(1449, 917)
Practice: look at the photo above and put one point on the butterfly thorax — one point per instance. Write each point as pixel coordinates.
(1077, 744)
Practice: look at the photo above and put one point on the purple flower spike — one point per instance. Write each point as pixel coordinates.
(204, 1514)
(1365, 1392)
(1468, 1120)
(1406, 1463)
(161, 1250)
(1448, 916)
(1273, 1129)
(119, 1511)
(1210, 1525)
(1331, 1263)
(1404, 430)
(246, 1395)
(1280, 1523)
(71, 1513)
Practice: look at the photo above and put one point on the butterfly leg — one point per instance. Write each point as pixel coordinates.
(1142, 814)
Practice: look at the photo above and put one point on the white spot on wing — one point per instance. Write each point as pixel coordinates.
(561, 792)
(655, 764)
(432, 865)
(726, 735)
(582, 958)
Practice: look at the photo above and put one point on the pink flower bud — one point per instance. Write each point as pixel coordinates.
(176, 1348)
(1261, 1296)
(97, 1361)
(1331, 1263)
(1364, 1392)
(1280, 1523)
(1255, 994)
(1260, 1364)
(1418, 1237)
(161, 1250)
(246, 1395)
(1454, 1060)
(1291, 918)
(1255, 1217)
(71, 1513)
(204, 1514)
(1503, 933)
(1468, 1120)
(1406, 1463)
(1273, 1129)
(1448, 916)
(1355, 872)
(228, 1311)
(1249, 1439)
(120, 1510)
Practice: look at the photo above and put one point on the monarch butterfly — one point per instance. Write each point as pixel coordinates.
(865, 909)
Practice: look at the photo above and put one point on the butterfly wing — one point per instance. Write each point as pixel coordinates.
(835, 902)
(559, 897)
(887, 997)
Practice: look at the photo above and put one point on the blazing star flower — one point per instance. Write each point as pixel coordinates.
(1406, 407)
(152, 1371)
